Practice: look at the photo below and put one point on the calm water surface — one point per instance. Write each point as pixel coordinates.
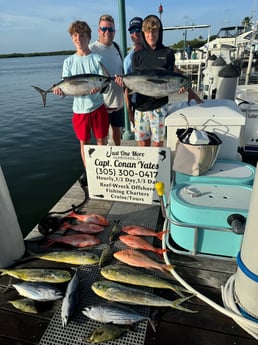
(39, 153)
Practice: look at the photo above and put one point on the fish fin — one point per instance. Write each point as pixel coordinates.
(155, 81)
(105, 89)
(177, 304)
(43, 94)
(160, 234)
(9, 286)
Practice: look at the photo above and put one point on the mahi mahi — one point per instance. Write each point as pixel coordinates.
(132, 276)
(24, 304)
(77, 85)
(120, 293)
(46, 275)
(72, 257)
(105, 333)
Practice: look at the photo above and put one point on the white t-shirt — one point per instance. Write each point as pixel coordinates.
(114, 98)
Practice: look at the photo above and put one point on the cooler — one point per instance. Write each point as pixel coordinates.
(224, 172)
(221, 116)
(199, 223)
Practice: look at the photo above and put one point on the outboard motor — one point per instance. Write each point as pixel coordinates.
(227, 81)
(210, 79)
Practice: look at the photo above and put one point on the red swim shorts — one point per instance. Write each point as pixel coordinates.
(97, 121)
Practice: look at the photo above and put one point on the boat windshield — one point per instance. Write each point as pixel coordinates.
(230, 31)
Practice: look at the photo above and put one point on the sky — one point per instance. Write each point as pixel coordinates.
(28, 26)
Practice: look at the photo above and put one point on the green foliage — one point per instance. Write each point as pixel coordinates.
(15, 55)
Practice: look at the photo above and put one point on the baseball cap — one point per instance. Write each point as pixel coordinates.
(135, 22)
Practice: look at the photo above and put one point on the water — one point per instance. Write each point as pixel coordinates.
(39, 153)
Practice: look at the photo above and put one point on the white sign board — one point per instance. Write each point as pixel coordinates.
(125, 173)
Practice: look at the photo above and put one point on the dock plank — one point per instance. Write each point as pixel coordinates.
(206, 327)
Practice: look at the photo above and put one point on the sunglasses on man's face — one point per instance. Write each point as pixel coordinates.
(105, 28)
(132, 31)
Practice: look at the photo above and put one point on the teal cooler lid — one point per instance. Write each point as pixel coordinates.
(223, 172)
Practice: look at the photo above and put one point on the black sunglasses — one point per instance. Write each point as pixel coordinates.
(132, 31)
(105, 28)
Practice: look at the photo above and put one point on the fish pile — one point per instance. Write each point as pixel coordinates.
(36, 286)
(124, 282)
(86, 229)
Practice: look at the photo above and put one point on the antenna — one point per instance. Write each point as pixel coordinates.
(160, 11)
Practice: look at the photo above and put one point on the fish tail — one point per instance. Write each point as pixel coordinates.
(72, 214)
(43, 94)
(178, 290)
(161, 251)
(64, 226)
(152, 325)
(167, 268)
(50, 242)
(161, 233)
(177, 304)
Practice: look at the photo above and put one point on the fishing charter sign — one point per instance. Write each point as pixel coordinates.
(124, 173)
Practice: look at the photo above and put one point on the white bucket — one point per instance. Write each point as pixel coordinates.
(12, 245)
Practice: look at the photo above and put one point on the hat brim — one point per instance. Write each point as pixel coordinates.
(135, 27)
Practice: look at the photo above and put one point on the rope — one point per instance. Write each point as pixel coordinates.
(227, 291)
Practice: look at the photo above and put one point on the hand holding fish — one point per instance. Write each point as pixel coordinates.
(58, 91)
(119, 80)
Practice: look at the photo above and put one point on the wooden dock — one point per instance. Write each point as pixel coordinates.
(205, 327)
